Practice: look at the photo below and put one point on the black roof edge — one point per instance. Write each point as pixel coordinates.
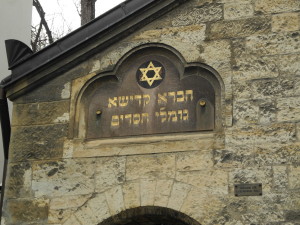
(80, 37)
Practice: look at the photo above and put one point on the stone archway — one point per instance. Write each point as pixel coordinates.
(150, 215)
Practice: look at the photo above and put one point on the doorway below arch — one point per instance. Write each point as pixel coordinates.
(150, 215)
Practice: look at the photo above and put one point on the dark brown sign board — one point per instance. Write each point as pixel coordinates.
(150, 94)
(248, 189)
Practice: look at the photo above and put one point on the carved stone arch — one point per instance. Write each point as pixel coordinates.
(150, 215)
(93, 116)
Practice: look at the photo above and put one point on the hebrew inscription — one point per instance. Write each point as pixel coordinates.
(150, 97)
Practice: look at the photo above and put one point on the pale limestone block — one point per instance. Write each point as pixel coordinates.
(188, 34)
(197, 160)
(275, 6)
(99, 207)
(285, 22)
(210, 181)
(114, 197)
(288, 64)
(297, 86)
(256, 135)
(267, 112)
(151, 144)
(59, 216)
(242, 89)
(294, 174)
(62, 178)
(68, 149)
(71, 221)
(85, 216)
(235, 11)
(245, 112)
(202, 206)
(288, 109)
(66, 92)
(147, 192)
(132, 195)
(109, 172)
(274, 43)
(252, 175)
(280, 177)
(198, 15)
(178, 195)
(235, 1)
(65, 202)
(298, 131)
(189, 51)
(150, 167)
(162, 192)
(216, 53)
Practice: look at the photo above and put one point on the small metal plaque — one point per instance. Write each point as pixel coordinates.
(247, 190)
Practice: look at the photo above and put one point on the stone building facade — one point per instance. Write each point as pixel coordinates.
(61, 173)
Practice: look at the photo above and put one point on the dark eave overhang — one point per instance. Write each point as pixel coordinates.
(82, 43)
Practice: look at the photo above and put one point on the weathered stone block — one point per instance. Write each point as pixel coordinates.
(236, 11)
(248, 67)
(280, 178)
(178, 195)
(253, 135)
(147, 192)
(275, 6)
(198, 160)
(162, 193)
(242, 90)
(270, 88)
(115, 200)
(131, 193)
(285, 22)
(216, 53)
(198, 14)
(62, 178)
(272, 44)
(288, 64)
(41, 113)
(245, 112)
(294, 174)
(212, 181)
(267, 112)
(18, 180)
(239, 28)
(232, 158)
(109, 172)
(37, 142)
(150, 167)
(274, 154)
(27, 211)
(288, 109)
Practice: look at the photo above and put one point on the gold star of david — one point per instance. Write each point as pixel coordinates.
(156, 76)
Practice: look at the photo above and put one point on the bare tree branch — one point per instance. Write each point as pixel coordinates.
(41, 12)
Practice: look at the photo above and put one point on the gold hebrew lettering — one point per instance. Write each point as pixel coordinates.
(115, 121)
(172, 94)
(185, 115)
(180, 96)
(123, 101)
(189, 93)
(172, 116)
(179, 112)
(139, 98)
(146, 99)
(162, 98)
(112, 102)
(163, 115)
(145, 115)
(129, 116)
(136, 119)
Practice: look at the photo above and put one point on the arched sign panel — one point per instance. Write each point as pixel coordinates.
(151, 93)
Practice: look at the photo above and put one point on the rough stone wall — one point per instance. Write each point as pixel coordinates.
(255, 47)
